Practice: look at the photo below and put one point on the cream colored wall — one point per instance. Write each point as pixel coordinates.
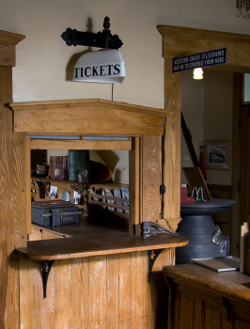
(218, 107)
(192, 93)
(207, 109)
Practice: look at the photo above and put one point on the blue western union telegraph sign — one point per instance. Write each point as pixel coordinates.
(208, 58)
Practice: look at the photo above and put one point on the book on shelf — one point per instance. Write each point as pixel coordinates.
(102, 192)
(79, 159)
(58, 167)
(108, 193)
(93, 193)
(117, 193)
(219, 264)
(125, 195)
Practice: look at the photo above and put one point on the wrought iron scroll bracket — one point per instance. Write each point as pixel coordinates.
(151, 261)
(46, 267)
(102, 39)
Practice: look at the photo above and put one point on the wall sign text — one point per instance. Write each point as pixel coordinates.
(208, 58)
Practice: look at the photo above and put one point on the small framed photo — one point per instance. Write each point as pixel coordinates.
(217, 154)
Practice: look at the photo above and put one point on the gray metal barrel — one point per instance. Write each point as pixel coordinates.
(199, 230)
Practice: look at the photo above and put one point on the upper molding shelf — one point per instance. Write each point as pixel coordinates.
(88, 116)
(8, 42)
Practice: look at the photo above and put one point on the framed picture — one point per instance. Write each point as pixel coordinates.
(217, 154)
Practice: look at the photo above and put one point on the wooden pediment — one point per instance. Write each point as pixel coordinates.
(88, 116)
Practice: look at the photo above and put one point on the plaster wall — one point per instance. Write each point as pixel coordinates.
(218, 108)
(207, 108)
(192, 94)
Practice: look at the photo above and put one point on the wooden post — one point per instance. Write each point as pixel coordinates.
(172, 146)
(10, 233)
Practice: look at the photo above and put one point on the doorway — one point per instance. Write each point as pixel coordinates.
(244, 190)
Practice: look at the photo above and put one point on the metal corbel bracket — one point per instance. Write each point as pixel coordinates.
(151, 228)
(151, 261)
(46, 267)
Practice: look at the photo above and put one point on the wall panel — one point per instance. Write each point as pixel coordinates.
(96, 292)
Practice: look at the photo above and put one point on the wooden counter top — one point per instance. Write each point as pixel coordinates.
(94, 240)
(232, 284)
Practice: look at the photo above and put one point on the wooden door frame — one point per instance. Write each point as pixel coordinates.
(181, 41)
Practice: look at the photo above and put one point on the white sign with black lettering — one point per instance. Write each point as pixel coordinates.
(103, 66)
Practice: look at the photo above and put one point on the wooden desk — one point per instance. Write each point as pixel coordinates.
(202, 298)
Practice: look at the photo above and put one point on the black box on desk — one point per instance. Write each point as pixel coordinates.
(54, 213)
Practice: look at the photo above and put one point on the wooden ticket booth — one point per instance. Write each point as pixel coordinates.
(110, 288)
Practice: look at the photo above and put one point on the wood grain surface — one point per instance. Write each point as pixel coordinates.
(207, 299)
(11, 225)
(86, 117)
(151, 178)
(231, 284)
(172, 147)
(8, 42)
(181, 41)
(48, 144)
(107, 292)
(78, 247)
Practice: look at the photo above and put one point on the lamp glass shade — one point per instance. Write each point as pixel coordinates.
(103, 66)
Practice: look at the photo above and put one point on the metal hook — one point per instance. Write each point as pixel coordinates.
(201, 190)
(198, 191)
(194, 190)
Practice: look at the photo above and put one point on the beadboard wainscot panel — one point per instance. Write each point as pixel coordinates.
(108, 292)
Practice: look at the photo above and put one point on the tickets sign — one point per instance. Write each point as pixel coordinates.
(103, 66)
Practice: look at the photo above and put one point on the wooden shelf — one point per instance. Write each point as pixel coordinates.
(93, 241)
(86, 246)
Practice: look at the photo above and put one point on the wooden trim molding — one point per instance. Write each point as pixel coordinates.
(181, 41)
(8, 42)
(48, 144)
(88, 116)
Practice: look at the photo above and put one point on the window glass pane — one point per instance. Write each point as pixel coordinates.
(247, 88)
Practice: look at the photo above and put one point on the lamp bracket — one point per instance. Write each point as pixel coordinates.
(102, 39)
